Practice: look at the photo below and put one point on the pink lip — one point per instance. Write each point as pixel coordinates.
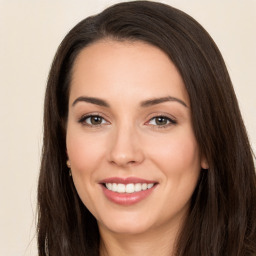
(126, 180)
(126, 199)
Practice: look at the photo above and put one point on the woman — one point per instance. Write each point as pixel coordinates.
(145, 151)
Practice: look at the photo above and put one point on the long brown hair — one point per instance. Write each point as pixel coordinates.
(222, 216)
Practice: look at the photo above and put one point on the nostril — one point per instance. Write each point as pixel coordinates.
(126, 155)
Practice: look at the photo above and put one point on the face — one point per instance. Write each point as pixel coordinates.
(130, 143)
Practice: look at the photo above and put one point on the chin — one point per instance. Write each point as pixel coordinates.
(126, 225)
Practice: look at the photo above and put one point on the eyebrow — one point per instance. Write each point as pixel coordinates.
(92, 100)
(146, 103)
(155, 101)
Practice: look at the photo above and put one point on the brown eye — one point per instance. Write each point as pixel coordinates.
(96, 120)
(93, 120)
(161, 121)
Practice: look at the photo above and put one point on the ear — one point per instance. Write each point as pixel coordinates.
(204, 163)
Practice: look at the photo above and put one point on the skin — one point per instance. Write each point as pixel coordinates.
(128, 142)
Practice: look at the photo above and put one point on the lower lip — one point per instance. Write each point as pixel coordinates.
(127, 198)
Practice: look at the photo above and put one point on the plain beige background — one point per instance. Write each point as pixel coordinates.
(30, 31)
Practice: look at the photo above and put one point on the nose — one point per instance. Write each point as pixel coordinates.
(125, 147)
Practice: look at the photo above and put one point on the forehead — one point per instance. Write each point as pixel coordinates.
(126, 68)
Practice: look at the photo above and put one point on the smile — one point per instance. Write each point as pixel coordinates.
(128, 188)
(127, 191)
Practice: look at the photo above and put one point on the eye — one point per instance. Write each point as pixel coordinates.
(161, 121)
(93, 120)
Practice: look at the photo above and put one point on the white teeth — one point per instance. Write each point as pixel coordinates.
(114, 187)
(137, 187)
(144, 186)
(120, 188)
(150, 185)
(109, 186)
(128, 188)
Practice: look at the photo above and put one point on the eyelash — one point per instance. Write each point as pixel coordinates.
(83, 119)
(170, 121)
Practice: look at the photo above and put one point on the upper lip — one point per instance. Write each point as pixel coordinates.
(126, 180)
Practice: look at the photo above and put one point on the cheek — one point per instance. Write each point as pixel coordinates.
(84, 151)
(177, 153)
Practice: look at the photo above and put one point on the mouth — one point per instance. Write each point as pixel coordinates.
(128, 188)
(127, 191)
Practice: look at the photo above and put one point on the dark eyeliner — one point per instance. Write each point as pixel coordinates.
(84, 117)
(172, 121)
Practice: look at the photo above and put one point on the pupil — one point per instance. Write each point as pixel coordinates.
(161, 120)
(96, 120)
